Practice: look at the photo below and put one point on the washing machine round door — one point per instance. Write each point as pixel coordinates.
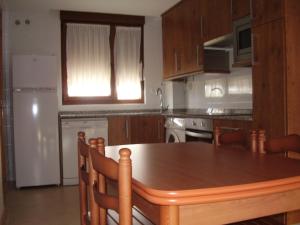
(172, 137)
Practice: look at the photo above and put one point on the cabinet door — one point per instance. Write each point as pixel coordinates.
(147, 129)
(192, 59)
(264, 11)
(217, 18)
(172, 24)
(182, 39)
(168, 26)
(118, 130)
(240, 9)
(269, 78)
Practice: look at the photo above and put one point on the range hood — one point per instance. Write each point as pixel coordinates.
(218, 54)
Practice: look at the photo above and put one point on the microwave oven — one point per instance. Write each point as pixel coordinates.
(242, 41)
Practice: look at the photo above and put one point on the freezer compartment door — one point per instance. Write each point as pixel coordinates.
(35, 71)
(36, 138)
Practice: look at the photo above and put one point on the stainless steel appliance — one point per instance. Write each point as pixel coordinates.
(242, 41)
(198, 129)
(188, 129)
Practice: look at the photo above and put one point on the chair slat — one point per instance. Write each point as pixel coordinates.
(283, 144)
(83, 148)
(103, 165)
(105, 201)
(236, 137)
(84, 176)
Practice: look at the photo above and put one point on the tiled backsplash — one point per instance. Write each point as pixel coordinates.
(232, 90)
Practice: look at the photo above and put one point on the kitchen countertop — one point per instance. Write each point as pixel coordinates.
(210, 113)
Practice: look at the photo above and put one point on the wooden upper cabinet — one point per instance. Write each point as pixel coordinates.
(264, 11)
(192, 36)
(217, 18)
(240, 8)
(119, 130)
(147, 129)
(268, 69)
(182, 40)
(168, 25)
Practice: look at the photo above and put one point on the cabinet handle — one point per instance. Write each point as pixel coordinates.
(231, 8)
(127, 129)
(179, 62)
(176, 61)
(158, 127)
(251, 9)
(202, 26)
(254, 49)
(197, 55)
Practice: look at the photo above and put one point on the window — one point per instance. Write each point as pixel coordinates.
(102, 58)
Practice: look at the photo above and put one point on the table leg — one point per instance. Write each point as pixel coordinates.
(169, 215)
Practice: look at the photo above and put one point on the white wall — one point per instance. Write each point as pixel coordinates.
(42, 36)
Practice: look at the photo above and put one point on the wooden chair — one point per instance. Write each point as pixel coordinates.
(102, 168)
(238, 137)
(83, 152)
(288, 145)
(87, 205)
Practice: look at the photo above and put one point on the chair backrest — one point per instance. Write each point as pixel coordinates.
(235, 137)
(101, 168)
(83, 152)
(283, 144)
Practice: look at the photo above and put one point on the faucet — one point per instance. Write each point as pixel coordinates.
(160, 93)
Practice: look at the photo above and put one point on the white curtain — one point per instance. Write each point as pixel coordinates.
(127, 62)
(240, 85)
(88, 60)
(215, 88)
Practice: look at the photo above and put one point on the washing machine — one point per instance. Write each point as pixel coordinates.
(175, 130)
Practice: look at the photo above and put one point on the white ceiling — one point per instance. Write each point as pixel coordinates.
(133, 7)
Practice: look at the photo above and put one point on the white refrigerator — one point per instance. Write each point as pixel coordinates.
(35, 106)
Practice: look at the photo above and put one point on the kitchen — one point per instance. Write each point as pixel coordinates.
(44, 27)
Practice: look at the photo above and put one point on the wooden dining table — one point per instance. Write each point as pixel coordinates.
(197, 183)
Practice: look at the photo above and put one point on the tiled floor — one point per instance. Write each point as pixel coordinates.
(45, 206)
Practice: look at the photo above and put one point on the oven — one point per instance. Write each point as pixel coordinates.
(198, 129)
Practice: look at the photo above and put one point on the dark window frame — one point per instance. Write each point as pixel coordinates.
(99, 18)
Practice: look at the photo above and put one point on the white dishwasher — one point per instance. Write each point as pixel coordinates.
(93, 127)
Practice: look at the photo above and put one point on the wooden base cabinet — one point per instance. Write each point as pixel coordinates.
(147, 129)
(136, 129)
(276, 80)
(119, 130)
